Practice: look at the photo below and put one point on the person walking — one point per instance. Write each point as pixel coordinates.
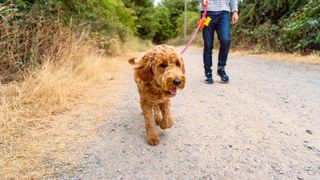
(219, 12)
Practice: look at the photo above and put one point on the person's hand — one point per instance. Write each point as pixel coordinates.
(205, 2)
(235, 17)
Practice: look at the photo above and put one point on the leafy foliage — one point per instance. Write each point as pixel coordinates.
(106, 17)
(31, 30)
(255, 12)
(279, 25)
(176, 8)
(25, 37)
(302, 29)
(192, 18)
(160, 23)
(155, 24)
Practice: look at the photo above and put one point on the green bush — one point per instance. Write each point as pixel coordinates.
(28, 39)
(33, 29)
(176, 8)
(192, 18)
(155, 24)
(162, 22)
(256, 12)
(266, 28)
(105, 17)
(302, 29)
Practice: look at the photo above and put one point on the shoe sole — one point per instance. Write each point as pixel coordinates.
(208, 82)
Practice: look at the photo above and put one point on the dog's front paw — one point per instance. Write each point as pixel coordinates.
(153, 141)
(167, 123)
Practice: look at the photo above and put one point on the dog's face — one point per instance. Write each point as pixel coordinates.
(163, 65)
(169, 72)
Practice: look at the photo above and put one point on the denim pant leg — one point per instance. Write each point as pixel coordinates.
(208, 35)
(223, 31)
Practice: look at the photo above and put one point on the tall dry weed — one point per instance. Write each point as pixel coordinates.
(46, 68)
(28, 42)
(27, 107)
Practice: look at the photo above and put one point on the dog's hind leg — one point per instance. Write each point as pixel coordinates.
(157, 114)
(152, 133)
(168, 119)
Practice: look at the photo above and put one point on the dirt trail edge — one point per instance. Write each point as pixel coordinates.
(264, 124)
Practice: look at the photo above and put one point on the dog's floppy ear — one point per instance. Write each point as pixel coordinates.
(144, 68)
(182, 66)
(132, 61)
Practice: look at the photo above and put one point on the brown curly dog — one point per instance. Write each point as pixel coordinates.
(158, 75)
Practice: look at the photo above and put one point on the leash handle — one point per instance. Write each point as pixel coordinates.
(196, 31)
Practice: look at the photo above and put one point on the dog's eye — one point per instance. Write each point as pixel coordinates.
(163, 65)
(177, 64)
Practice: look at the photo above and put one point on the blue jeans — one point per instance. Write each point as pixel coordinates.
(220, 22)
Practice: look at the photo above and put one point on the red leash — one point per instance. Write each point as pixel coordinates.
(196, 31)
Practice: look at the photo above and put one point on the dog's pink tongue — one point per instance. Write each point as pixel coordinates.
(173, 91)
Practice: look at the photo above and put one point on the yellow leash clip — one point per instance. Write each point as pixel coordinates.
(207, 21)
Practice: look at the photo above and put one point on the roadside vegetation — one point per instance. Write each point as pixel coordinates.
(51, 54)
(268, 25)
(281, 26)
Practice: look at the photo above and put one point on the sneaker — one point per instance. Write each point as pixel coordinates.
(208, 78)
(223, 75)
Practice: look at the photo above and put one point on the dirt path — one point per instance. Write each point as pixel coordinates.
(264, 124)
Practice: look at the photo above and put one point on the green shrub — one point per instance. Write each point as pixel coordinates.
(256, 12)
(296, 29)
(32, 30)
(302, 29)
(105, 17)
(176, 8)
(28, 39)
(155, 24)
(192, 18)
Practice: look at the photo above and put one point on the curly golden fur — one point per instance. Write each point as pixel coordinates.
(158, 74)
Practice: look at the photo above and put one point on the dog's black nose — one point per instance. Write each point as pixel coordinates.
(177, 81)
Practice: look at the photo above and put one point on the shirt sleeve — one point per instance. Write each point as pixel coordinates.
(234, 5)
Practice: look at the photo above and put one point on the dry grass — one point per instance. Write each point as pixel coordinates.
(29, 42)
(133, 45)
(28, 110)
(57, 88)
(295, 57)
(35, 139)
(48, 118)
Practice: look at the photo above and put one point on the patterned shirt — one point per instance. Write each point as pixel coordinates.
(221, 5)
